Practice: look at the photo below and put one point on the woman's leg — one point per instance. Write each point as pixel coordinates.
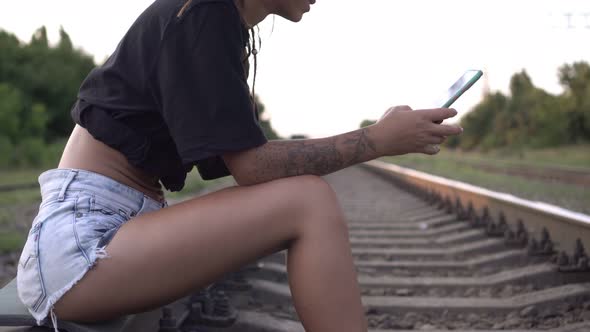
(164, 255)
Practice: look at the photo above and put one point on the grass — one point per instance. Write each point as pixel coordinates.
(449, 164)
(567, 157)
(6, 218)
(12, 203)
(17, 197)
(11, 241)
(19, 176)
(24, 176)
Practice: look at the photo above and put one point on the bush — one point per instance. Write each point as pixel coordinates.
(6, 152)
(30, 152)
(53, 153)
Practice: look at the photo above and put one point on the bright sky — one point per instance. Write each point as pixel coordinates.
(350, 60)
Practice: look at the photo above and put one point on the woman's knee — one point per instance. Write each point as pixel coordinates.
(313, 193)
(317, 202)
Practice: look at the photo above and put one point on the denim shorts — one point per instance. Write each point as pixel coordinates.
(79, 214)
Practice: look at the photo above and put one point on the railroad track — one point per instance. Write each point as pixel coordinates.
(436, 255)
(431, 254)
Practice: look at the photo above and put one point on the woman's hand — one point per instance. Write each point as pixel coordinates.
(402, 130)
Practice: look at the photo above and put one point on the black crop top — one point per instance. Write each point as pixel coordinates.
(174, 93)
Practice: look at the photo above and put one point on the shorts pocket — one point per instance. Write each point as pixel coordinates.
(95, 222)
(29, 281)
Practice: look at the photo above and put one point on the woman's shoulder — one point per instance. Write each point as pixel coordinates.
(212, 17)
(181, 7)
(175, 9)
(191, 6)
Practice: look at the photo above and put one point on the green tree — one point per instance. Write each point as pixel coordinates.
(30, 152)
(485, 124)
(11, 107)
(9, 56)
(366, 123)
(36, 121)
(520, 110)
(269, 132)
(575, 79)
(45, 75)
(551, 123)
(39, 38)
(529, 117)
(65, 43)
(6, 151)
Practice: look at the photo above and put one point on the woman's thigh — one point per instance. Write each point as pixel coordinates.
(161, 256)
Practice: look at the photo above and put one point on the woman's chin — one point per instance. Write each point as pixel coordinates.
(294, 18)
(298, 18)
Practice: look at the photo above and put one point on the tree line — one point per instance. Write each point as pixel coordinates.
(38, 86)
(529, 117)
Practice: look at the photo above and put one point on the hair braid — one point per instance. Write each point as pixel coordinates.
(252, 48)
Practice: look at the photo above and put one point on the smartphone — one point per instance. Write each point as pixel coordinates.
(462, 85)
(459, 87)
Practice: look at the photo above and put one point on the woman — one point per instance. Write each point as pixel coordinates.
(174, 95)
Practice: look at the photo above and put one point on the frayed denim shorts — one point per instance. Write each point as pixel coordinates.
(79, 214)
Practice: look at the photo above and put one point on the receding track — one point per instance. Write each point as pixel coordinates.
(438, 255)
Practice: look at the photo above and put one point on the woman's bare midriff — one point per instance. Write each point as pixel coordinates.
(85, 152)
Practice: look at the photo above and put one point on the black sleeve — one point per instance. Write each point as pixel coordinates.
(202, 87)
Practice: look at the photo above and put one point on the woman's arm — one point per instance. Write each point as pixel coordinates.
(283, 158)
(399, 131)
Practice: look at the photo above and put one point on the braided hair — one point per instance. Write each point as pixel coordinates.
(252, 48)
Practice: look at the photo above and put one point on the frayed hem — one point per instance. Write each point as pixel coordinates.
(101, 253)
(42, 317)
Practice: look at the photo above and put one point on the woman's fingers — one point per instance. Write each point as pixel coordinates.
(431, 149)
(439, 114)
(446, 130)
(402, 130)
(433, 146)
(396, 109)
(435, 139)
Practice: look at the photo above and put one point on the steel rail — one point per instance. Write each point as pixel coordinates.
(560, 230)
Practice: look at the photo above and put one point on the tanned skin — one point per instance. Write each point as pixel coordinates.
(279, 159)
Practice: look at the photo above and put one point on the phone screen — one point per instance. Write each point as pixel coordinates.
(459, 87)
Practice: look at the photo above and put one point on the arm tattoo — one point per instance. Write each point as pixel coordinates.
(361, 144)
(315, 158)
(278, 159)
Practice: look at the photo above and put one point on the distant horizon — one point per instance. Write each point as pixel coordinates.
(346, 62)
